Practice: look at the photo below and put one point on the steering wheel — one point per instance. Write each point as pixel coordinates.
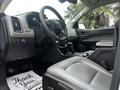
(63, 32)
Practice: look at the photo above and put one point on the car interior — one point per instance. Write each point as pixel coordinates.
(63, 55)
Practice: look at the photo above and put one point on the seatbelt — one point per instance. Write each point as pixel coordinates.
(3, 52)
(116, 72)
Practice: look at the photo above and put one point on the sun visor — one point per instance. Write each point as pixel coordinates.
(70, 1)
(4, 4)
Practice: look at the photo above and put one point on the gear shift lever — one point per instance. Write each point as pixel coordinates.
(70, 47)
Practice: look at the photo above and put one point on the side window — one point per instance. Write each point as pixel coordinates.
(100, 18)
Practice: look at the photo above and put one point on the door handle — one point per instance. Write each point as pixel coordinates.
(83, 33)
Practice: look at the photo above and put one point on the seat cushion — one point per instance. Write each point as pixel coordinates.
(80, 74)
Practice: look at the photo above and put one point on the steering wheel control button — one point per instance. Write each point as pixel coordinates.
(23, 41)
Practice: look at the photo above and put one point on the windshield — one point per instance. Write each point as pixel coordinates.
(21, 6)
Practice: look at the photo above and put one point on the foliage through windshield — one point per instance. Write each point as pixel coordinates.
(104, 16)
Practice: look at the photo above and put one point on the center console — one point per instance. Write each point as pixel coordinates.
(67, 49)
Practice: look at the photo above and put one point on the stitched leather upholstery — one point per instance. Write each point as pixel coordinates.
(80, 74)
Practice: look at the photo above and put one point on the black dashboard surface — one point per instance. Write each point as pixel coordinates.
(27, 36)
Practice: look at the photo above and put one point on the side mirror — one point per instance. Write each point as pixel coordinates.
(81, 26)
(70, 1)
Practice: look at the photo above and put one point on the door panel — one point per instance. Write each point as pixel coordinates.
(89, 38)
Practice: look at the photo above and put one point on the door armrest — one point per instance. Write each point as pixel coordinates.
(104, 44)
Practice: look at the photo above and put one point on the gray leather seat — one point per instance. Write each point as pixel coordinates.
(80, 74)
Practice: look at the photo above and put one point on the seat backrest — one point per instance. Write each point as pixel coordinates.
(116, 72)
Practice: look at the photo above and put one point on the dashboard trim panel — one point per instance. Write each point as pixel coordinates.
(25, 32)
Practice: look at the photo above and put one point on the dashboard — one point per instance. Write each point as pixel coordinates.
(23, 31)
(22, 25)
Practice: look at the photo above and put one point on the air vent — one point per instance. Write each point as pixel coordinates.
(33, 20)
(16, 24)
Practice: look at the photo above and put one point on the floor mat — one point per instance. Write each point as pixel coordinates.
(25, 81)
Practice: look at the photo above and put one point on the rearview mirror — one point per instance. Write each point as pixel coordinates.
(70, 1)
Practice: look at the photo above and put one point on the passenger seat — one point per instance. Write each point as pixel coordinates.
(77, 73)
